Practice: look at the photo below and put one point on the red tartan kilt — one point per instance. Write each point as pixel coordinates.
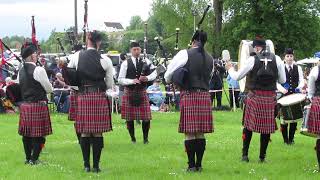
(195, 112)
(73, 106)
(34, 120)
(129, 112)
(93, 113)
(314, 116)
(259, 112)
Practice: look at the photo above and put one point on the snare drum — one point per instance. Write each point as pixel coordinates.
(304, 125)
(292, 107)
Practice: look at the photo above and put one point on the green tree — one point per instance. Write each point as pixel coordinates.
(136, 23)
(293, 23)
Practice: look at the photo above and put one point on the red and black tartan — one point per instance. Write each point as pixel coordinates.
(93, 113)
(260, 112)
(34, 120)
(73, 106)
(313, 123)
(129, 112)
(195, 112)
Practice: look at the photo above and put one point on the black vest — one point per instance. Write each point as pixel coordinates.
(31, 90)
(317, 91)
(257, 78)
(200, 68)
(292, 79)
(135, 72)
(90, 72)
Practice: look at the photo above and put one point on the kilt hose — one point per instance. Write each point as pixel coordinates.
(260, 112)
(195, 112)
(130, 112)
(93, 113)
(73, 106)
(34, 120)
(314, 116)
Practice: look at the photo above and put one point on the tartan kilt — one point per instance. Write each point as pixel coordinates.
(260, 112)
(73, 106)
(195, 112)
(34, 120)
(313, 123)
(130, 112)
(93, 113)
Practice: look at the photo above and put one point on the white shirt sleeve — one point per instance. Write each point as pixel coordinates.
(123, 73)
(301, 79)
(281, 70)
(40, 75)
(107, 65)
(312, 81)
(178, 61)
(243, 71)
(74, 59)
(153, 75)
(280, 87)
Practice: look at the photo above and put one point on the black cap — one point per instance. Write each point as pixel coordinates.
(27, 50)
(123, 56)
(95, 36)
(134, 44)
(288, 51)
(200, 36)
(259, 41)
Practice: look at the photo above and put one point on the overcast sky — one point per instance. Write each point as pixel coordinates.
(15, 15)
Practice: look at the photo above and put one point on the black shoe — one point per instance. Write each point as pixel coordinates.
(33, 163)
(245, 159)
(291, 143)
(145, 141)
(262, 160)
(191, 169)
(133, 140)
(199, 169)
(96, 170)
(86, 169)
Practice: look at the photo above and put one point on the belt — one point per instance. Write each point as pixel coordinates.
(197, 90)
(90, 89)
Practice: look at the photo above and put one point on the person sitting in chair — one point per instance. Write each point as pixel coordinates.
(154, 93)
(61, 94)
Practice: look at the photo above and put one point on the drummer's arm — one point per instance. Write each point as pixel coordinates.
(301, 79)
(178, 61)
(281, 88)
(243, 71)
(281, 71)
(122, 75)
(312, 82)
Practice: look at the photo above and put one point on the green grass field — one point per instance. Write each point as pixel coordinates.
(162, 158)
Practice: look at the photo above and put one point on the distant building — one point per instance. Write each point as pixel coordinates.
(113, 26)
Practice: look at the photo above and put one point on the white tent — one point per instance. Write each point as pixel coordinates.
(305, 61)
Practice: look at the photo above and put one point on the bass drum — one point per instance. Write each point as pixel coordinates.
(245, 49)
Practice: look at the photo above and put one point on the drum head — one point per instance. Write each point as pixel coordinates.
(292, 99)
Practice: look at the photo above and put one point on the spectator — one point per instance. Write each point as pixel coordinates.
(155, 95)
(216, 83)
(233, 91)
(61, 95)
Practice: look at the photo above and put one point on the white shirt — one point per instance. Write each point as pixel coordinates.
(178, 61)
(123, 72)
(105, 62)
(40, 75)
(244, 70)
(301, 79)
(313, 76)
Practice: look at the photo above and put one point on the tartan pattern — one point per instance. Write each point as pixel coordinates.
(73, 106)
(93, 113)
(314, 116)
(129, 112)
(195, 112)
(34, 120)
(260, 112)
